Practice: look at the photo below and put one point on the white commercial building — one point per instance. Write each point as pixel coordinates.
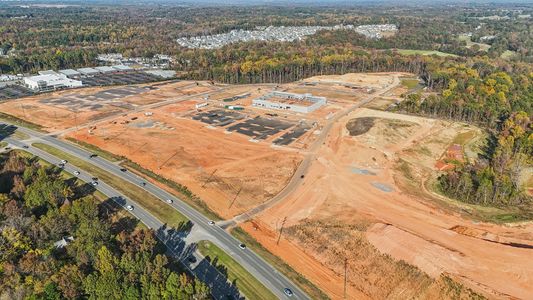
(121, 68)
(69, 72)
(50, 82)
(302, 103)
(88, 71)
(162, 73)
(106, 69)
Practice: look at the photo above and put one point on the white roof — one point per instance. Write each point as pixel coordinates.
(53, 80)
(88, 71)
(105, 69)
(162, 73)
(48, 72)
(46, 77)
(121, 67)
(69, 72)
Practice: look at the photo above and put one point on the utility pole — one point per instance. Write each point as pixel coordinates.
(281, 230)
(23, 111)
(209, 178)
(175, 153)
(235, 198)
(345, 275)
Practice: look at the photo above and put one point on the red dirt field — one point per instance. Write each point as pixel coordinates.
(494, 260)
(188, 152)
(54, 117)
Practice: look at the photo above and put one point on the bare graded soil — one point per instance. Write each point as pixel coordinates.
(324, 218)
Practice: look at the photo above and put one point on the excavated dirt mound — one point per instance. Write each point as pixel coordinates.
(360, 125)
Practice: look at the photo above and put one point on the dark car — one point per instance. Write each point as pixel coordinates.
(93, 155)
(25, 146)
(95, 178)
(288, 292)
(123, 169)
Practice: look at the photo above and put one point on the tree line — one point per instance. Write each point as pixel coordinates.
(105, 256)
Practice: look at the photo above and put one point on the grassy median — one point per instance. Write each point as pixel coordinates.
(245, 282)
(174, 188)
(154, 205)
(302, 282)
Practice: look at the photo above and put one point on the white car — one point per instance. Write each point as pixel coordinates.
(242, 246)
(169, 201)
(129, 207)
(94, 183)
(211, 223)
(64, 161)
(77, 173)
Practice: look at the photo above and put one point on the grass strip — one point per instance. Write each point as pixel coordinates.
(313, 291)
(149, 202)
(183, 192)
(21, 122)
(177, 189)
(96, 150)
(245, 282)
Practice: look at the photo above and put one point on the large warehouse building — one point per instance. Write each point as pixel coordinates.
(302, 103)
(50, 82)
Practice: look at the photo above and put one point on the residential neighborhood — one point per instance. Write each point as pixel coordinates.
(281, 33)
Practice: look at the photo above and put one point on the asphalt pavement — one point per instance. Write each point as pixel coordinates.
(259, 268)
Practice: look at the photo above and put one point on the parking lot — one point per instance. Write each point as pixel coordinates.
(292, 135)
(260, 128)
(119, 79)
(218, 117)
(76, 102)
(14, 91)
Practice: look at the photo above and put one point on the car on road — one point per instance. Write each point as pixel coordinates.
(211, 223)
(169, 201)
(93, 155)
(76, 173)
(288, 292)
(25, 146)
(63, 161)
(95, 178)
(191, 259)
(129, 207)
(143, 183)
(61, 165)
(94, 183)
(123, 169)
(7, 148)
(242, 246)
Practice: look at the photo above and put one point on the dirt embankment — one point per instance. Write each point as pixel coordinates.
(343, 186)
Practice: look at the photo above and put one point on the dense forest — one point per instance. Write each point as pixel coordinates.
(499, 97)
(50, 38)
(105, 256)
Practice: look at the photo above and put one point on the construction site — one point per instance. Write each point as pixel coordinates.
(346, 187)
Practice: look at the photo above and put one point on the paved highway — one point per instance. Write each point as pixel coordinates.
(259, 268)
(176, 245)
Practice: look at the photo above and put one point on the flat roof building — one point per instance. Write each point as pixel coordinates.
(302, 103)
(88, 71)
(162, 73)
(121, 67)
(106, 69)
(69, 72)
(48, 72)
(50, 82)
